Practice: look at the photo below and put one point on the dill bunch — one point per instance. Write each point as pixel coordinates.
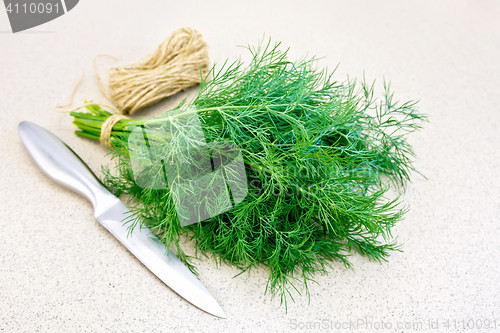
(320, 157)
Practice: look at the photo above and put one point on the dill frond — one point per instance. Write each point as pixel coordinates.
(316, 152)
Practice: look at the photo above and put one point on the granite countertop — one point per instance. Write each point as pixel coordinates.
(61, 271)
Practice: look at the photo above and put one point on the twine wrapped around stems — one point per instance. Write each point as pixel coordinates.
(106, 128)
(178, 63)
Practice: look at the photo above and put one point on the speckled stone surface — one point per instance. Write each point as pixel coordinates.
(60, 271)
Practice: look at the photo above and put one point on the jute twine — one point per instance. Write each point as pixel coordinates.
(178, 63)
(64, 108)
(107, 126)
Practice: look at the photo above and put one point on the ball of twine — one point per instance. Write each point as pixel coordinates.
(178, 63)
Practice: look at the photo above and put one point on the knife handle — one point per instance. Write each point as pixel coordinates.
(63, 165)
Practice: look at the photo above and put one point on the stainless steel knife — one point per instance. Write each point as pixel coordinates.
(63, 166)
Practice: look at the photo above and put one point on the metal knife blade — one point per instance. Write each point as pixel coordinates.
(65, 167)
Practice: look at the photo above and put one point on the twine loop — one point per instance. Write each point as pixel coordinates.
(107, 127)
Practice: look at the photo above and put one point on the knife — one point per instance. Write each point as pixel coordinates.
(64, 166)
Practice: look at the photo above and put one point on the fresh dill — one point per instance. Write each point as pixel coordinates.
(316, 154)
